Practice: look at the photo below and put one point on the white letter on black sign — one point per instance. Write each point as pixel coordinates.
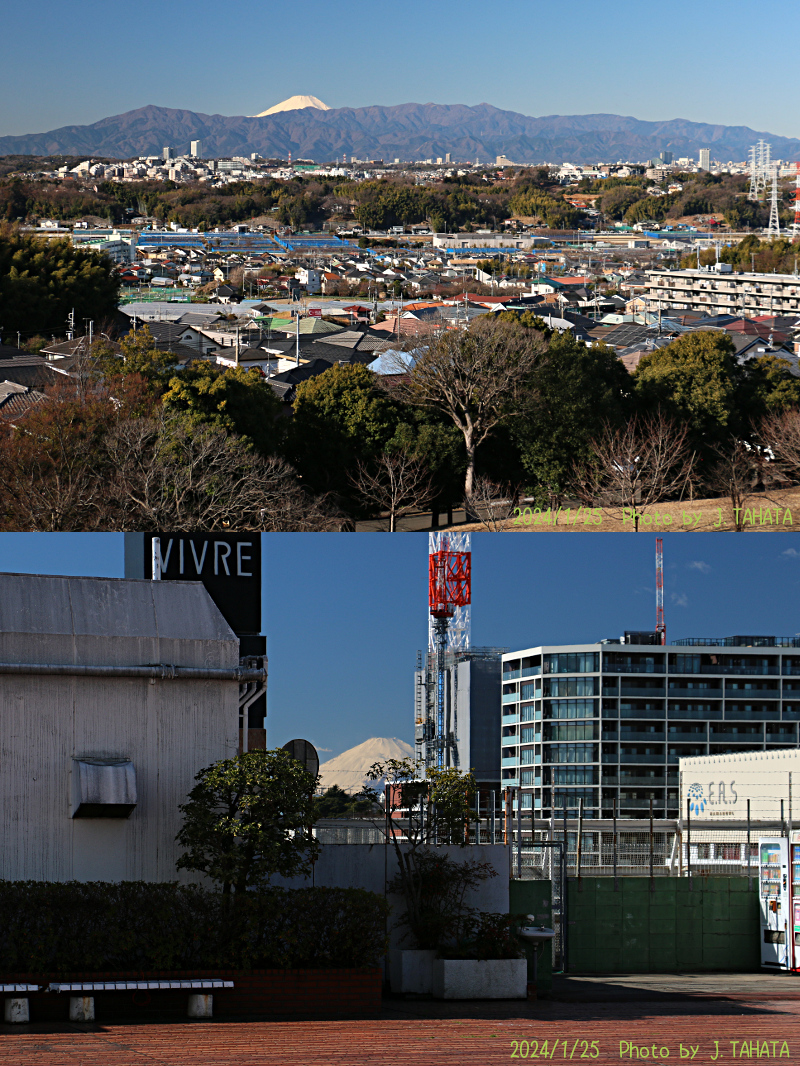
(240, 557)
(224, 557)
(199, 565)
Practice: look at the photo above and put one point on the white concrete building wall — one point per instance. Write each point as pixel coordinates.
(170, 729)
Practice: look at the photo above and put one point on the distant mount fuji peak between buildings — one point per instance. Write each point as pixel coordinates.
(294, 103)
(308, 129)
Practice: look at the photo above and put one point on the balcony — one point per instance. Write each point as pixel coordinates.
(634, 668)
(751, 693)
(683, 736)
(677, 693)
(510, 717)
(729, 736)
(726, 669)
(634, 781)
(510, 697)
(634, 690)
(631, 735)
(513, 761)
(639, 760)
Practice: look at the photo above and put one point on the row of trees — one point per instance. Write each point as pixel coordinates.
(134, 442)
(42, 282)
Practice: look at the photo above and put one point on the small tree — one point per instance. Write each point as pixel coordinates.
(491, 504)
(636, 466)
(248, 819)
(736, 474)
(420, 812)
(395, 484)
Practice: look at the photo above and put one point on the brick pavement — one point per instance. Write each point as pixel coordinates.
(463, 1033)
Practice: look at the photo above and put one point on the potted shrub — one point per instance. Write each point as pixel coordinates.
(421, 811)
(488, 963)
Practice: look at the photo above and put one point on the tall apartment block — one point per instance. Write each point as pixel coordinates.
(609, 721)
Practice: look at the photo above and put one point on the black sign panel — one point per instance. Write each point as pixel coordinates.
(228, 564)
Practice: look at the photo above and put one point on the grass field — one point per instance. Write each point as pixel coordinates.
(777, 512)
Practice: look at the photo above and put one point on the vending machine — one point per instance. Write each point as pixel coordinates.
(774, 892)
(794, 850)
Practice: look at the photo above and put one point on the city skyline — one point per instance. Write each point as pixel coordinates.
(345, 616)
(533, 63)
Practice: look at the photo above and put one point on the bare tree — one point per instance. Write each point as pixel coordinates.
(634, 467)
(170, 475)
(491, 504)
(473, 376)
(779, 434)
(738, 474)
(51, 479)
(395, 484)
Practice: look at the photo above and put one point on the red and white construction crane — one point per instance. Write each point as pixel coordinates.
(449, 597)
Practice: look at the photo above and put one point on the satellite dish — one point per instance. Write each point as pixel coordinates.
(305, 753)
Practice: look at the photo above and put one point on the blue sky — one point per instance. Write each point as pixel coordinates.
(345, 614)
(693, 59)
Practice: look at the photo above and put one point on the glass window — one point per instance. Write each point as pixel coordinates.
(529, 735)
(571, 686)
(570, 708)
(571, 753)
(530, 777)
(528, 711)
(573, 731)
(574, 775)
(530, 689)
(527, 757)
(582, 662)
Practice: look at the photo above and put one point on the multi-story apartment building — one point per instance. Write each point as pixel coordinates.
(722, 291)
(609, 721)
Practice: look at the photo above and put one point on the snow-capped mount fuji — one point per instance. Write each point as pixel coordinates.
(294, 103)
(404, 131)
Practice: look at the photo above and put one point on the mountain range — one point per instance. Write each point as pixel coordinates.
(405, 131)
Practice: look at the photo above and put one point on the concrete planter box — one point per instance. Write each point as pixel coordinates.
(480, 978)
(411, 971)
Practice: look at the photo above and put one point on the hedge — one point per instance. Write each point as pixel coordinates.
(134, 925)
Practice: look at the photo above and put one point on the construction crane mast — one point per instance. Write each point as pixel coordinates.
(660, 624)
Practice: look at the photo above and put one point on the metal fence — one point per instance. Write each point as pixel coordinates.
(667, 848)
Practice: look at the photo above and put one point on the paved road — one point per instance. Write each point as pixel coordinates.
(687, 1018)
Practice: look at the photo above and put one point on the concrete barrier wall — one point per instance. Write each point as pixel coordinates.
(373, 866)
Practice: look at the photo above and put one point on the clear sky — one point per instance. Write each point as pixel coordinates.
(345, 614)
(78, 62)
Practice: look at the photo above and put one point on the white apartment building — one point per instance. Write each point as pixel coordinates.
(719, 290)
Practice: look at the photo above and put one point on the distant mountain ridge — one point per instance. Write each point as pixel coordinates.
(405, 131)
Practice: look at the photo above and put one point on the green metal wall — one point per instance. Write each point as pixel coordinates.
(534, 897)
(710, 923)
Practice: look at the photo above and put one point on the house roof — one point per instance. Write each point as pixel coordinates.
(16, 400)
